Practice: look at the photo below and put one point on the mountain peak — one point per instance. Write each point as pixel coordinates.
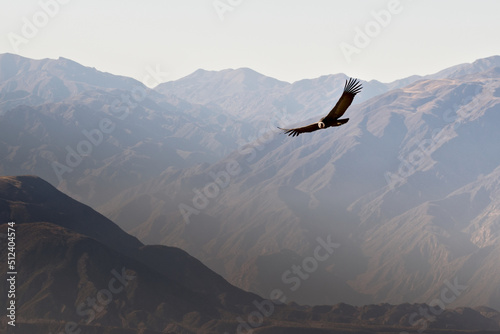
(244, 75)
(203, 86)
(36, 200)
(478, 66)
(488, 62)
(53, 80)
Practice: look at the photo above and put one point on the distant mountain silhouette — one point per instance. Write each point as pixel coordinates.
(78, 270)
(408, 188)
(391, 188)
(52, 114)
(67, 251)
(25, 81)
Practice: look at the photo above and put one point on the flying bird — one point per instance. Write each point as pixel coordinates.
(351, 88)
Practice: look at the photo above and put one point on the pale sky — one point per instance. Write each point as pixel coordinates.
(285, 39)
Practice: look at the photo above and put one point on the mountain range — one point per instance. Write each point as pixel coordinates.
(407, 191)
(409, 188)
(76, 271)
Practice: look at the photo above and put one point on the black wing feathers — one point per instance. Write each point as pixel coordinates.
(351, 88)
(298, 131)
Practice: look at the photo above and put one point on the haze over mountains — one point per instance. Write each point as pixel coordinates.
(79, 272)
(408, 189)
(67, 252)
(393, 187)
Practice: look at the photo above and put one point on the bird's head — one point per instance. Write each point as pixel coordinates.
(321, 125)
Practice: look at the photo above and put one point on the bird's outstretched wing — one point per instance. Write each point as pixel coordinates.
(297, 131)
(351, 88)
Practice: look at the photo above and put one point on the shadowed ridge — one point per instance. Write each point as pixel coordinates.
(28, 199)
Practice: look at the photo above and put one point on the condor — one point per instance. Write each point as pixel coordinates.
(351, 88)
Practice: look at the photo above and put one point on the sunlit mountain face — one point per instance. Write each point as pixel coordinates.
(398, 206)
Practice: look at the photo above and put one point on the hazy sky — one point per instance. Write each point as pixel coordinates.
(286, 39)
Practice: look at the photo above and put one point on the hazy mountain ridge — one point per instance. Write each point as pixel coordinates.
(33, 82)
(361, 183)
(69, 257)
(75, 248)
(142, 134)
(296, 182)
(248, 95)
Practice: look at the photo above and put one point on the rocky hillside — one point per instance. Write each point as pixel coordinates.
(78, 271)
(407, 190)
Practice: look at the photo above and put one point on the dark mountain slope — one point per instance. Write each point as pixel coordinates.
(27, 199)
(380, 186)
(66, 276)
(77, 271)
